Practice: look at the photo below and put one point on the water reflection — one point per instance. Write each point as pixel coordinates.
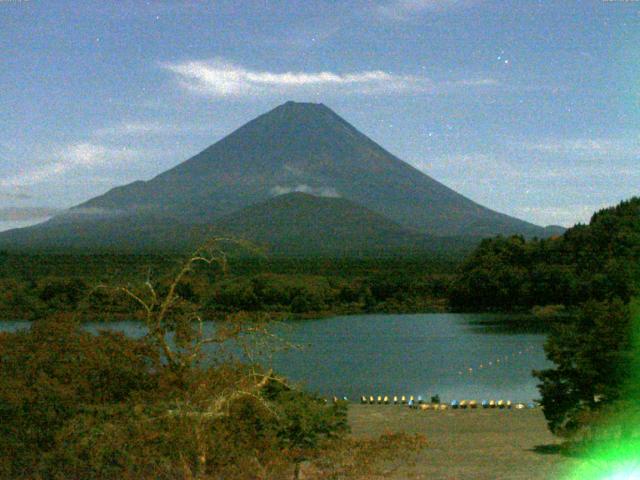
(507, 324)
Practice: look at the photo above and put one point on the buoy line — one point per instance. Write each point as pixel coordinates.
(498, 361)
(421, 404)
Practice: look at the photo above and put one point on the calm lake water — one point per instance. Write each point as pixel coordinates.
(422, 354)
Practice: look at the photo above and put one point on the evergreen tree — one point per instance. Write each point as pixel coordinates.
(592, 356)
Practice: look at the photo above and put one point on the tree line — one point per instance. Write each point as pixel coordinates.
(34, 286)
(597, 261)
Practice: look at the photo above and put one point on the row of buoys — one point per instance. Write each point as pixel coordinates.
(497, 362)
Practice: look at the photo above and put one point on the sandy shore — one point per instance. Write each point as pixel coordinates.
(468, 444)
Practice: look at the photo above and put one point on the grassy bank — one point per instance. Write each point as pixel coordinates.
(468, 444)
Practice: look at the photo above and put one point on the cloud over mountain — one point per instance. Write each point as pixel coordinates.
(302, 188)
(17, 214)
(220, 78)
(408, 9)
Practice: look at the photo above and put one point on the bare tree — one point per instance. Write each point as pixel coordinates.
(175, 326)
(169, 315)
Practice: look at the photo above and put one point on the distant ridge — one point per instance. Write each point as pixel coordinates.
(302, 224)
(296, 147)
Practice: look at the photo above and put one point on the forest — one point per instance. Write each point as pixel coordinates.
(597, 261)
(33, 285)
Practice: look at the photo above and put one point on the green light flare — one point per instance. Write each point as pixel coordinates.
(618, 458)
(616, 461)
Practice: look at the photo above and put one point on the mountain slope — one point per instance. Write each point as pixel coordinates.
(307, 147)
(296, 147)
(118, 234)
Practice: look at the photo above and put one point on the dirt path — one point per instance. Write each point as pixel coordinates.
(468, 444)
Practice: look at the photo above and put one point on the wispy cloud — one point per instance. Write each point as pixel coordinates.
(15, 196)
(303, 188)
(75, 156)
(408, 9)
(143, 128)
(132, 128)
(94, 212)
(19, 214)
(220, 78)
(592, 147)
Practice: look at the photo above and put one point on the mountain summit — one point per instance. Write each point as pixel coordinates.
(296, 147)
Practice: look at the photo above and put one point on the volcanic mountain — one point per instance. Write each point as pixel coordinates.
(296, 147)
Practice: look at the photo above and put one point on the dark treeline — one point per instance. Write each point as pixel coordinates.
(104, 266)
(589, 262)
(33, 285)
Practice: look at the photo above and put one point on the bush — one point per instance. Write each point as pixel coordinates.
(63, 293)
(77, 405)
(50, 373)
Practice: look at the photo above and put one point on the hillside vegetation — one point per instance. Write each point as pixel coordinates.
(104, 406)
(597, 261)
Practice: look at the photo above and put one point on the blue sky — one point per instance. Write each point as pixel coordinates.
(531, 108)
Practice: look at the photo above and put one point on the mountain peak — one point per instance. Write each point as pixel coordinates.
(291, 104)
(307, 147)
(291, 109)
(296, 147)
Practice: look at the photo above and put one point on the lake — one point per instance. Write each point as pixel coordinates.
(457, 356)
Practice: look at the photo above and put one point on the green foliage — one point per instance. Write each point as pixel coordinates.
(599, 261)
(306, 419)
(591, 353)
(63, 293)
(593, 350)
(33, 286)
